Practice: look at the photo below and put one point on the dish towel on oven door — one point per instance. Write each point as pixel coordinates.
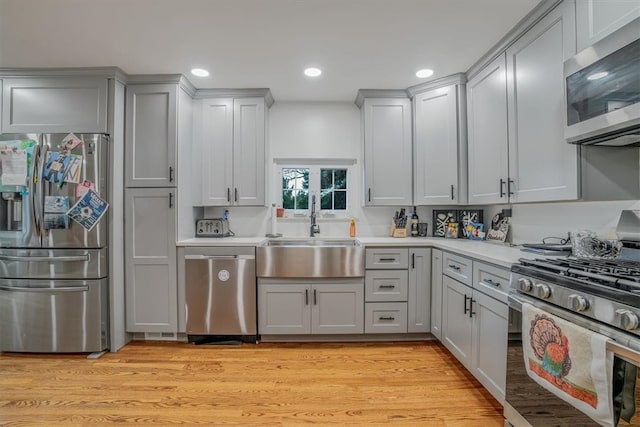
(569, 361)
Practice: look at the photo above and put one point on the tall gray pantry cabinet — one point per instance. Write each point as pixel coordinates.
(158, 124)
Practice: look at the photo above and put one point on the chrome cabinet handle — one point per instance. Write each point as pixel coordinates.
(491, 282)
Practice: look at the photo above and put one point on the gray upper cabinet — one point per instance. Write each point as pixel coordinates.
(487, 134)
(387, 151)
(54, 104)
(596, 19)
(150, 261)
(151, 135)
(440, 147)
(232, 137)
(542, 166)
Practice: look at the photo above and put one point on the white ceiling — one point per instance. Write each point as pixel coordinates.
(372, 44)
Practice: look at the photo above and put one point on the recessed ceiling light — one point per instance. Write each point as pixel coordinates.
(599, 75)
(312, 72)
(424, 73)
(199, 72)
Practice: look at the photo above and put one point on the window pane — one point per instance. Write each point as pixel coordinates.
(326, 178)
(302, 199)
(326, 200)
(340, 178)
(288, 201)
(340, 200)
(295, 179)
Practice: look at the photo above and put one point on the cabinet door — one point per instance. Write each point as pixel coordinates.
(150, 260)
(457, 324)
(284, 309)
(487, 134)
(419, 301)
(436, 293)
(542, 166)
(337, 308)
(49, 105)
(151, 135)
(436, 146)
(596, 19)
(387, 151)
(249, 151)
(490, 323)
(216, 130)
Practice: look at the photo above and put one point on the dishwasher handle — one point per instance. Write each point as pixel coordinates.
(219, 257)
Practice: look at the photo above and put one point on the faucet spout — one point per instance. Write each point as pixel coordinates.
(315, 228)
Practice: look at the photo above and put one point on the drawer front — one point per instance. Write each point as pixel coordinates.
(492, 280)
(387, 258)
(457, 267)
(385, 317)
(386, 285)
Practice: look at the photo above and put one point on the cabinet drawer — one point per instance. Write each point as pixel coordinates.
(386, 285)
(385, 317)
(457, 267)
(492, 280)
(387, 258)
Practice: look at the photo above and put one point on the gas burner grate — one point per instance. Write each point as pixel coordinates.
(623, 275)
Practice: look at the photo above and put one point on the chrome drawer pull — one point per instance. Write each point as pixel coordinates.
(491, 282)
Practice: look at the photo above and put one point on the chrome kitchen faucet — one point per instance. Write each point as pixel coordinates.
(315, 228)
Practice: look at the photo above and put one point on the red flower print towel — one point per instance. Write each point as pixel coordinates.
(570, 361)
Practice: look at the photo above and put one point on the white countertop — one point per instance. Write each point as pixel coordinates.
(494, 253)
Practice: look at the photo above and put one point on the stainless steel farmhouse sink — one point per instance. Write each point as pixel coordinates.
(310, 258)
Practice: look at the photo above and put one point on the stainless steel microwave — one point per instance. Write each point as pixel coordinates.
(603, 90)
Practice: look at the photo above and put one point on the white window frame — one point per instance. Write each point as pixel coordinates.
(314, 166)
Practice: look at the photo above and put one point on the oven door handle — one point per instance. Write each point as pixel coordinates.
(623, 352)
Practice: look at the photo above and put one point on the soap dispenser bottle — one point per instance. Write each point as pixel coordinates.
(352, 227)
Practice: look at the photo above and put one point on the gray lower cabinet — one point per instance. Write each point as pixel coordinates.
(295, 307)
(397, 290)
(55, 104)
(436, 293)
(475, 324)
(150, 260)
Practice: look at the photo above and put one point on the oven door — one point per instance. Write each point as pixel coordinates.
(527, 403)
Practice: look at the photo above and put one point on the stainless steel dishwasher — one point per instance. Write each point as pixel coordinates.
(220, 294)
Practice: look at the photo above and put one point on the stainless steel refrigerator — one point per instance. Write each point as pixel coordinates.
(53, 270)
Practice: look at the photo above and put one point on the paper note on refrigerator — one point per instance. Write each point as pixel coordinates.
(14, 167)
(88, 210)
(55, 167)
(74, 169)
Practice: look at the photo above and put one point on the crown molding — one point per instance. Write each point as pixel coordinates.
(457, 79)
(378, 93)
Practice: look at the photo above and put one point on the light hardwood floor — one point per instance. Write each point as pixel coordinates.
(416, 383)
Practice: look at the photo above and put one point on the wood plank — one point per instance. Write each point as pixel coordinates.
(269, 384)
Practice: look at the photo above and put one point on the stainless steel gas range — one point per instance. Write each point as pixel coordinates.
(600, 295)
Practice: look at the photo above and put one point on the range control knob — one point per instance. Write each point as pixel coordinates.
(525, 284)
(578, 302)
(628, 319)
(543, 291)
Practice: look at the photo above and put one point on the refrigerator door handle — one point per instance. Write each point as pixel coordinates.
(84, 258)
(33, 178)
(39, 197)
(41, 290)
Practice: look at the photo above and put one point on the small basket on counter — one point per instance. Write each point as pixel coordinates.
(586, 244)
